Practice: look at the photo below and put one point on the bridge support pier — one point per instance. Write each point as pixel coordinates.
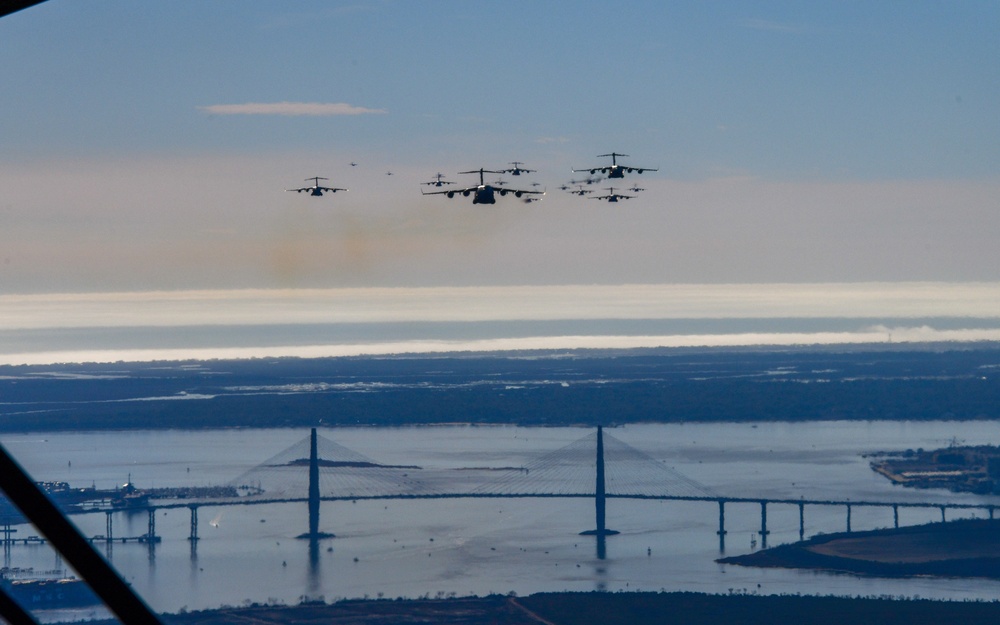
(991, 512)
(942, 513)
(193, 536)
(151, 531)
(848, 518)
(802, 520)
(722, 526)
(108, 527)
(599, 496)
(763, 525)
(7, 541)
(895, 516)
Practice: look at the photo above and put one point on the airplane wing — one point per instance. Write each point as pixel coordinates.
(519, 192)
(451, 192)
(300, 190)
(594, 170)
(330, 189)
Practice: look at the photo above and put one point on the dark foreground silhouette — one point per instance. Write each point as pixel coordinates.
(610, 609)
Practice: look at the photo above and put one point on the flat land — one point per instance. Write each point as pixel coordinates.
(585, 388)
(966, 548)
(915, 546)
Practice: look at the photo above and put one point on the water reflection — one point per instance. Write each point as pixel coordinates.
(601, 566)
(314, 579)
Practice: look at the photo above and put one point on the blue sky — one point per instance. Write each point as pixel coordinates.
(796, 142)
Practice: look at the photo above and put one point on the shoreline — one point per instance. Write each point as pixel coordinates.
(962, 548)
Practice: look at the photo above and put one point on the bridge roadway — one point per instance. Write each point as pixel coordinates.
(721, 501)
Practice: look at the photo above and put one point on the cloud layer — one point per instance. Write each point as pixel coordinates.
(900, 300)
(295, 109)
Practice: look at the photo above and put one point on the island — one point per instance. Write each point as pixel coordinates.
(961, 548)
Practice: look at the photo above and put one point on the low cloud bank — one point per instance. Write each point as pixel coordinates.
(313, 109)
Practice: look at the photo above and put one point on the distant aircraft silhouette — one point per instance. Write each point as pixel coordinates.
(612, 196)
(316, 190)
(438, 181)
(615, 170)
(517, 170)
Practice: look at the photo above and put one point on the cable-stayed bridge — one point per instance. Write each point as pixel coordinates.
(566, 472)
(597, 466)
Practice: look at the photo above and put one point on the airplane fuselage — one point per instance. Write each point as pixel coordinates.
(484, 195)
(316, 192)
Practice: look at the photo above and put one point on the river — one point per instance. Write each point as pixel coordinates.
(433, 547)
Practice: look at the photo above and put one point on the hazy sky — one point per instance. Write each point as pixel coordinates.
(147, 146)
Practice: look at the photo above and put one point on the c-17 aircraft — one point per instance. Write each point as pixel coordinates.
(438, 181)
(615, 170)
(483, 193)
(517, 170)
(316, 189)
(612, 196)
(579, 190)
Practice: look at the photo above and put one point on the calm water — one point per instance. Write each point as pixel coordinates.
(411, 548)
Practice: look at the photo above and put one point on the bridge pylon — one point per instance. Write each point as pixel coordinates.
(314, 532)
(600, 498)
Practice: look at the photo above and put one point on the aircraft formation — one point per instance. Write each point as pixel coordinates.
(487, 192)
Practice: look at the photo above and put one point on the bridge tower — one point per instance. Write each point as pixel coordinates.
(314, 532)
(599, 493)
(313, 485)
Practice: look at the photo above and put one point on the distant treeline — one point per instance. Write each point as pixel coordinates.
(740, 607)
(586, 390)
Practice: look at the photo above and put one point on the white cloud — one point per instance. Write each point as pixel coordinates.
(870, 336)
(314, 109)
(494, 303)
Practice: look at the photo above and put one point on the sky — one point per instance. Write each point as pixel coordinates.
(147, 146)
